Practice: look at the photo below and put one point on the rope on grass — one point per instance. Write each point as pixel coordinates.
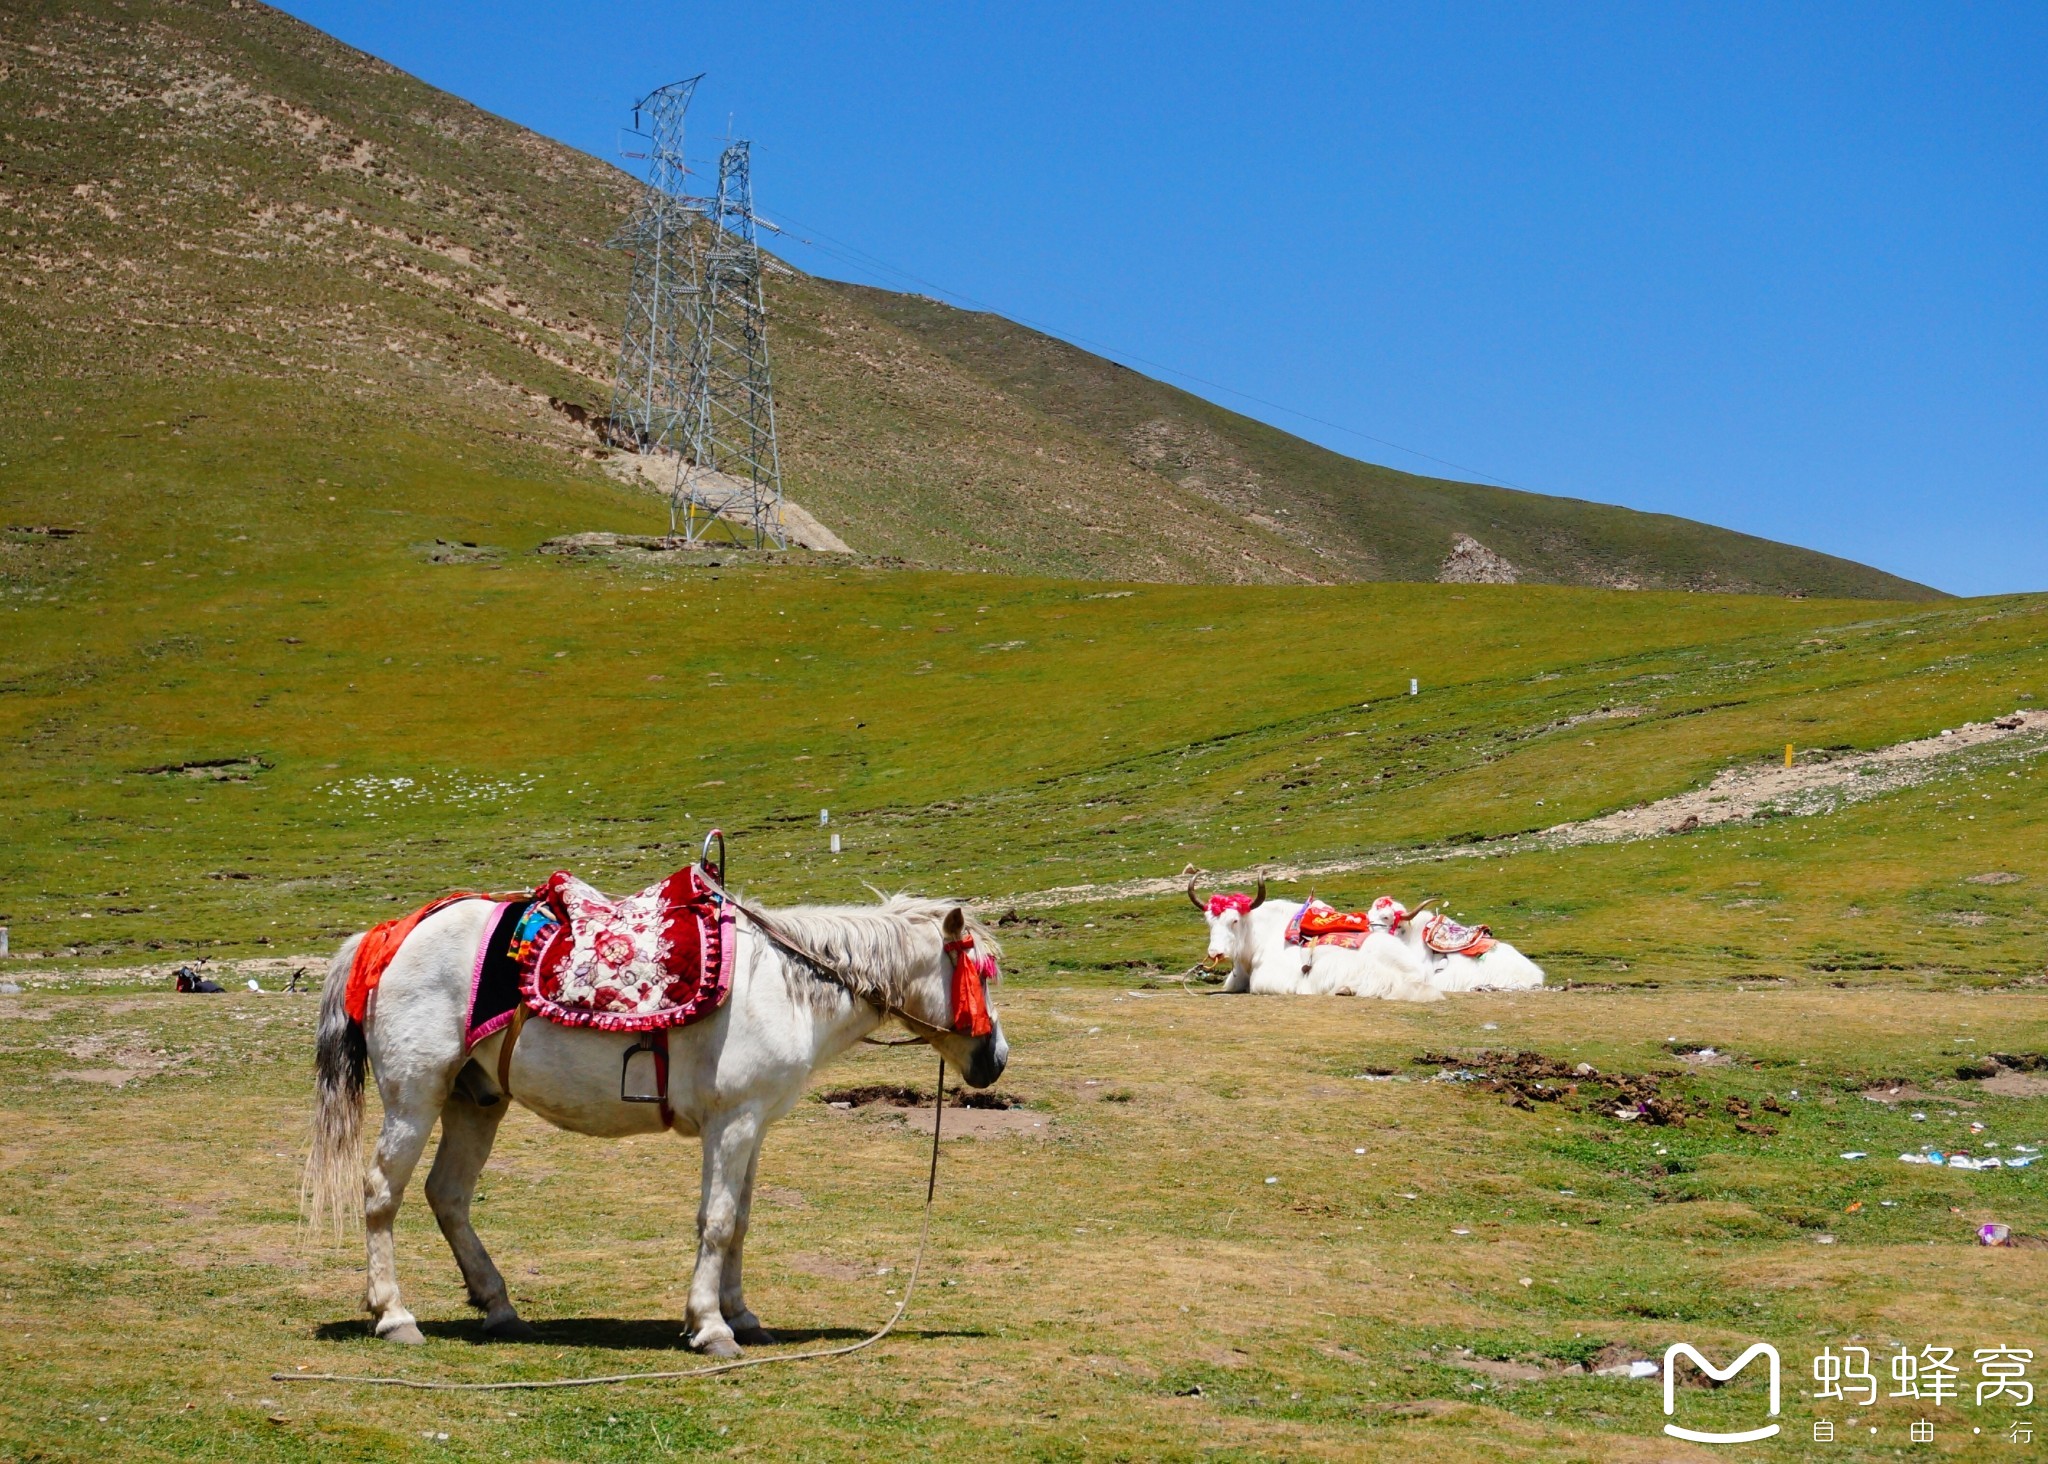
(931, 1188)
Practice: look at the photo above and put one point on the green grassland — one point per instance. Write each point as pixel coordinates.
(398, 725)
(238, 594)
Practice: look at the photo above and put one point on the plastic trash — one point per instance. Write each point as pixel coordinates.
(1856, 1154)
(2020, 1161)
(1919, 1117)
(1992, 1233)
(1976, 1128)
(253, 986)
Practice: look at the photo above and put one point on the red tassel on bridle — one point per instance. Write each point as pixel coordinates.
(971, 975)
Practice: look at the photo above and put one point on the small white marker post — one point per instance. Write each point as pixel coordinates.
(824, 817)
(1414, 687)
(835, 843)
(3, 940)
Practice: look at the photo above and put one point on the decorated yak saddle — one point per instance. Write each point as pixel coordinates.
(1319, 924)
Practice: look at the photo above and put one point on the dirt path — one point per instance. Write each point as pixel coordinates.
(1738, 794)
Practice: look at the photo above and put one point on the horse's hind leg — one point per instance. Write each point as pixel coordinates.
(467, 1132)
(408, 1120)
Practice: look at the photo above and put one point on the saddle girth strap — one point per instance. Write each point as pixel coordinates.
(659, 1041)
(519, 1014)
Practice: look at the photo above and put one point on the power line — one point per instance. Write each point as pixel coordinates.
(860, 259)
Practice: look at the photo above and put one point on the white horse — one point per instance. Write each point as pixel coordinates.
(731, 1074)
(1251, 939)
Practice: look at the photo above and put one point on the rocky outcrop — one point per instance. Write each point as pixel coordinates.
(1472, 563)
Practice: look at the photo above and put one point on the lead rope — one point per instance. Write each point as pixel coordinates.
(931, 1188)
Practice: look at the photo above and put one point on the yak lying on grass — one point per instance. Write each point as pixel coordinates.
(1396, 955)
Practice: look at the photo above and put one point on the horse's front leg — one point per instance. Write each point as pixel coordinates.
(730, 1142)
(732, 1301)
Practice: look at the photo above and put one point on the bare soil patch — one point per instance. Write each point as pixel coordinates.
(1525, 1079)
(2016, 1085)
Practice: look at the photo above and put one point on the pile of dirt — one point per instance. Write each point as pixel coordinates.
(1525, 1079)
(903, 1095)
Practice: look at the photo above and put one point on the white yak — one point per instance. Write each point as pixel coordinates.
(1250, 937)
(1497, 967)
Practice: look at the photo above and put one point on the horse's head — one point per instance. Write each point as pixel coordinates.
(953, 1005)
(1229, 918)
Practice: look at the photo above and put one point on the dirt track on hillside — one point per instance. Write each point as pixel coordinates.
(1735, 795)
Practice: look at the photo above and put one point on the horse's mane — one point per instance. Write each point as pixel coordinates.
(872, 950)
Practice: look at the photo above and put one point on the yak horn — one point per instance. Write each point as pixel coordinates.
(1259, 894)
(1193, 898)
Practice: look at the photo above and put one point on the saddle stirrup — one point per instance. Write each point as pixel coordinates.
(653, 1044)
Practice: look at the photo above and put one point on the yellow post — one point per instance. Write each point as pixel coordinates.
(1788, 754)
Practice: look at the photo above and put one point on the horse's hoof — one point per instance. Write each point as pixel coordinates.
(722, 1348)
(755, 1336)
(409, 1333)
(512, 1329)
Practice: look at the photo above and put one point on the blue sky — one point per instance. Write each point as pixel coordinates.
(1782, 268)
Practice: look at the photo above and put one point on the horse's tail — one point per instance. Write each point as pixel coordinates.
(332, 1189)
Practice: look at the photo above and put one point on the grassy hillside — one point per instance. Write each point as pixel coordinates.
(209, 201)
(1362, 520)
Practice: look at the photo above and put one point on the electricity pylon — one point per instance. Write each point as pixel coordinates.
(693, 377)
(730, 482)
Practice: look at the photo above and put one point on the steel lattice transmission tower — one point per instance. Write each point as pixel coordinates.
(649, 397)
(731, 478)
(693, 376)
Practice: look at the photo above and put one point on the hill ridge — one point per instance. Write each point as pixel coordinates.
(213, 194)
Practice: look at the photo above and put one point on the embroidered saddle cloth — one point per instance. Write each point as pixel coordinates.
(1447, 937)
(661, 958)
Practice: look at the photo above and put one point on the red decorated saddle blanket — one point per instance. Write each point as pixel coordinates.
(661, 958)
(1317, 923)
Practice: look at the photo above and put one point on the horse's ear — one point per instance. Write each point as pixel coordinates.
(954, 923)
